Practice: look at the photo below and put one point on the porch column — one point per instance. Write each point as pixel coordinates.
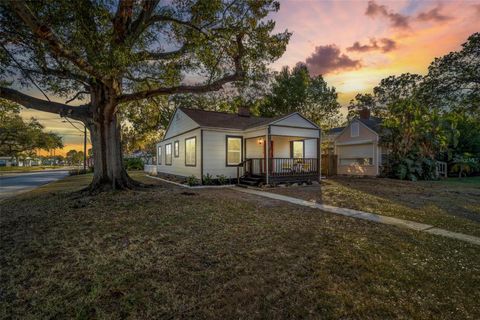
(267, 156)
(319, 155)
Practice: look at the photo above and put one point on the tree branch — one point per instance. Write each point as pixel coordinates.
(147, 55)
(79, 113)
(44, 33)
(214, 86)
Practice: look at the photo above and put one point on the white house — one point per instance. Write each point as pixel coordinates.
(357, 146)
(269, 150)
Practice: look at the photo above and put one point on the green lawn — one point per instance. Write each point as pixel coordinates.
(452, 204)
(26, 169)
(168, 252)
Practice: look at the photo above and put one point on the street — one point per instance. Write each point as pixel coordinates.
(17, 183)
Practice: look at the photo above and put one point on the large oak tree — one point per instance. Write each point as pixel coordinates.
(114, 52)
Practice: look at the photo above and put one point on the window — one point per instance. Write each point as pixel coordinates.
(159, 155)
(168, 154)
(356, 161)
(176, 149)
(354, 129)
(297, 149)
(191, 152)
(234, 150)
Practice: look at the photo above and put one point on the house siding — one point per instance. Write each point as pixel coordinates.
(180, 123)
(178, 166)
(365, 145)
(215, 153)
(295, 120)
(294, 132)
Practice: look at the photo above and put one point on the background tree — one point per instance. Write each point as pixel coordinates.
(124, 51)
(19, 138)
(74, 157)
(362, 101)
(295, 90)
(453, 81)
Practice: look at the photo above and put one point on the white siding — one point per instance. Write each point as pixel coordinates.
(311, 148)
(215, 153)
(178, 164)
(254, 149)
(295, 120)
(255, 133)
(294, 132)
(180, 123)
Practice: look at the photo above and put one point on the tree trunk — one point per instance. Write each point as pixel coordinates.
(109, 173)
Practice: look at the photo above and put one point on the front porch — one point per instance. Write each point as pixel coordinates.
(274, 159)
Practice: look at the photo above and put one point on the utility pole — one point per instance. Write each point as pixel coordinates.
(84, 147)
(84, 140)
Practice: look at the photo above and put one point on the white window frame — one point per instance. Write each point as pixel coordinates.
(194, 164)
(159, 155)
(233, 164)
(168, 156)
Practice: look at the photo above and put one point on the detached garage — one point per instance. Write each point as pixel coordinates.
(356, 147)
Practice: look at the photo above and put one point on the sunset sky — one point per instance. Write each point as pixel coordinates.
(354, 44)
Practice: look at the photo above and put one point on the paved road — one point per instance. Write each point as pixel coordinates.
(13, 184)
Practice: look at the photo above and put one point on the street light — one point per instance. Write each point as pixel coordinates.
(84, 140)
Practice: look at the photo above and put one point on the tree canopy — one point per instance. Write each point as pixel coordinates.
(122, 51)
(21, 138)
(295, 90)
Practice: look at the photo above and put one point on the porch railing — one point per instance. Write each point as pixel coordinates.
(281, 166)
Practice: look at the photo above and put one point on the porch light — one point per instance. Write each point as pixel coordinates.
(260, 140)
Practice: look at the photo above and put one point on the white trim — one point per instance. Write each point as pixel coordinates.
(368, 141)
(299, 114)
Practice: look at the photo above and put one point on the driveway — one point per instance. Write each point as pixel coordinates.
(13, 184)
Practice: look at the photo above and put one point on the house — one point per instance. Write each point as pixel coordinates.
(357, 146)
(7, 161)
(258, 149)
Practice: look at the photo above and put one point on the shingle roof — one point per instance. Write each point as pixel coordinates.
(373, 123)
(225, 120)
(336, 130)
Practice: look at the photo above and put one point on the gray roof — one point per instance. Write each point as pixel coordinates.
(373, 123)
(336, 130)
(217, 119)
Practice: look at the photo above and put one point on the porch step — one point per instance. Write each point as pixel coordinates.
(250, 181)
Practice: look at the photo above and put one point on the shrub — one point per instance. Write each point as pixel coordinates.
(133, 164)
(76, 172)
(222, 179)
(208, 179)
(193, 181)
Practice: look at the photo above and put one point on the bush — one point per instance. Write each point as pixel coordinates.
(208, 180)
(413, 169)
(133, 164)
(222, 180)
(76, 172)
(192, 181)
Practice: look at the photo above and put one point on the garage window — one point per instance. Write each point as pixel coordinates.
(356, 161)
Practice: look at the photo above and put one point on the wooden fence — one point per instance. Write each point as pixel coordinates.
(329, 164)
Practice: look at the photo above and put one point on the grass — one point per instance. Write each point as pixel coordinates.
(452, 204)
(171, 253)
(26, 169)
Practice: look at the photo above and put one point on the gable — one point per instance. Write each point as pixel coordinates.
(179, 123)
(295, 120)
(364, 133)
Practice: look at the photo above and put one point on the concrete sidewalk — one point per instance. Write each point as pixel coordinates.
(365, 216)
